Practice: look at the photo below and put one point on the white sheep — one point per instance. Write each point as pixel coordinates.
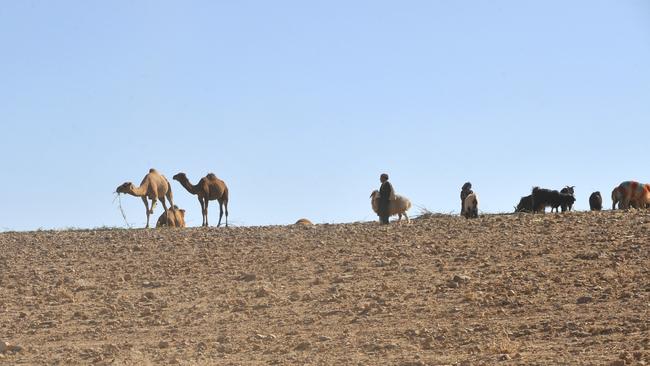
(470, 208)
(398, 206)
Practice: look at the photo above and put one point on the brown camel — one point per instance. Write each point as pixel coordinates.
(172, 218)
(208, 189)
(154, 186)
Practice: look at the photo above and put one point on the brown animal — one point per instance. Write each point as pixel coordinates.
(154, 186)
(305, 222)
(631, 194)
(208, 189)
(172, 218)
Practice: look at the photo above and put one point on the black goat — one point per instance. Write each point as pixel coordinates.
(596, 201)
(545, 197)
(568, 190)
(525, 204)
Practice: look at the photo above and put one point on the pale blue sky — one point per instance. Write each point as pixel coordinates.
(299, 105)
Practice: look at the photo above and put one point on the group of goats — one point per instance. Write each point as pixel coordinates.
(625, 195)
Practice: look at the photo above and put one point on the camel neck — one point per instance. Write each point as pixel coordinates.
(189, 186)
(139, 191)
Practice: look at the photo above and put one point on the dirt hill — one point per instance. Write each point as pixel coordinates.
(513, 289)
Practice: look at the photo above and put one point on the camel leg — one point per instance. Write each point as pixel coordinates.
(170, 198)
(226, 205)
(407, 218)
(220, 213)
(202, 211)
(165, 212)
(205, 202)
(154, 201)
(146, 207)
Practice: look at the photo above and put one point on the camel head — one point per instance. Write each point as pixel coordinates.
(126, 187)
(180, 177)
(374, 194)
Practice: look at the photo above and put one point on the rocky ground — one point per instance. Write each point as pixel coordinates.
(503, 289)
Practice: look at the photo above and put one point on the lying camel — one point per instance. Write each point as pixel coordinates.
(172, 218)
(208, 189)
(154, 186)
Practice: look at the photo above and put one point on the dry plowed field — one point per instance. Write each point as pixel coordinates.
(503, 289)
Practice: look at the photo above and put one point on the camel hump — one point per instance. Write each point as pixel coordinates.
(152, 170)
(211, 176)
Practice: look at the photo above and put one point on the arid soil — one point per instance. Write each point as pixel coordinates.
(503, 289)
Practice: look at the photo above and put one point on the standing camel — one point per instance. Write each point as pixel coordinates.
(154, 186)
(209, 188)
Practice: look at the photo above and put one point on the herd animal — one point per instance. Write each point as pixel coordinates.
(398, 206)
(545, 197)
(595, 201)
(631, 194)
(172, 218)
(470, 206)
(208, 188)
(155, 187)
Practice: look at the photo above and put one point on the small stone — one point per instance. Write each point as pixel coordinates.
(15, 348)
(3, 346)
(149, 295)
(163, 344)
(617, 363)
(302, 346)
(247, 277)
(262, 292)
(461, 278)
(504, 357)
(584, 300)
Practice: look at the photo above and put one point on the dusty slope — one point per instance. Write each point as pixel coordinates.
(518, 289)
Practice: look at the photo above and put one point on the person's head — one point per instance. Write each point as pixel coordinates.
(467, 186)
(383, 177)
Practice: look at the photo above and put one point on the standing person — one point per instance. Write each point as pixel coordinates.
(464, 192)
(386, 192)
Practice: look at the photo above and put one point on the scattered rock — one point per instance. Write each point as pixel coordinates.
(461, 278)
(163, 344)
(584, 300)
(247, 277)
(302, 346)
(6, 347)
(262, 292)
